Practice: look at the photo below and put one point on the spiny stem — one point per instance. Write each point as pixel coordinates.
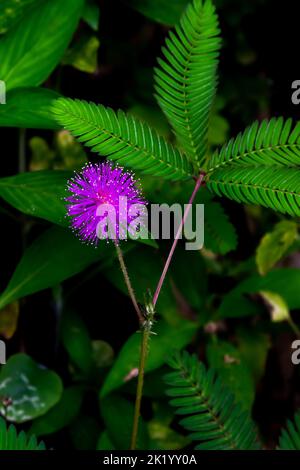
(128, 284)
(140, 385)
(177, 236)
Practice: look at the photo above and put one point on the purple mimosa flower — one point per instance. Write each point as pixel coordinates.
(104, 186)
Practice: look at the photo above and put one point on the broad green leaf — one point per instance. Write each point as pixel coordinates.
(166, 339)
(234, 372)
(160, 429)
(219, 234)
(117, 413)
(278, 308)
(274, 245)
(84, 432)
(284, 282)
(83, 56)
(253, 346)
(60, 415)
(32, 50)
(30, 388)
(11, 11)
(28, 108)
(40, 194)
(189, 276)
(162, 11)
(104, 442)
(53, 257)
(91, 14)
(76, 340)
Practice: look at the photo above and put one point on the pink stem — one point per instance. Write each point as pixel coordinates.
(178, 234)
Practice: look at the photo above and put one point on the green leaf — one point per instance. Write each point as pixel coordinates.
(32, 50)
(84, 432)
(186, 80)
(91, 14)
(166, 339)
(227, 361)
(40, 194)
(275, 187)
(122, 138)
(28, 108)
(10, 440)
(212, 417)
(53, 257)
(270, 143)
(254, 346)
(274, 245)
(290, 437)
(219, 234)
(30, 388)
(60, 415)
(119, 430)
(77, 341)
(104, 442)
(284, 282)
(11, 11)
(83, 56)
(188, 273)
(162, 11)
(279, 309)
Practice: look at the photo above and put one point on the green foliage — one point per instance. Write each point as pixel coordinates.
(119, 430)
(39, 194)
(270, 143)
(277, 188)
(31, 390)
(10, 440)
(165, 339)
(54, 256)
(212, 417)
(229, 364)
(60, 415)
(290, 437)
(31, 51)
(274, 245)
(186, 79)
(260, 167)
(163, 11)
(237, 302)
(30, 108)
(11, 11)
(219, 234)
(122, 138)
(77, 341)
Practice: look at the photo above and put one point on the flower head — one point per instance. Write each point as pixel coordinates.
(103, 195)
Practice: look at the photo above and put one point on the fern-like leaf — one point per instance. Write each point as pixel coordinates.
(274, 142)
(122, 138)
(275, 187)
(211, 414)
(10, 440)
(290, 437)
(186, 80)
(219, 234)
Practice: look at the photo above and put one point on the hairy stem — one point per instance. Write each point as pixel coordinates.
(140, 385)
(128, 284)
(177, 236)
